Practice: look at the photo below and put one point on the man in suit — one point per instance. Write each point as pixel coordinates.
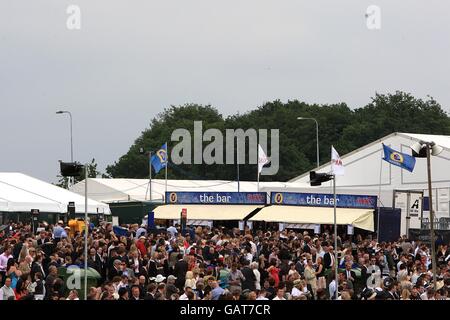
(115, 270)
(250, 278)
(151, 290)
(348, 273)
(328, 258)
(50, 280)
(94, 260)
(36, 266)
(42, 238)
(364, 276)
(179, 271)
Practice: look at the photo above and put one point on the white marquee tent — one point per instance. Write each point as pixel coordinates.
(365, 171)
(21, 193)
(116, 190)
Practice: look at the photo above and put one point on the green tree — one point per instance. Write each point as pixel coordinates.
(340, 126)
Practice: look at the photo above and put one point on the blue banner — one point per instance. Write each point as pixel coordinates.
(323, 200)
(258, 198)
(151, 221)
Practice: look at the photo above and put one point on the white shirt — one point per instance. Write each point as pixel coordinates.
(262, 298)
(332, 288)
(276, 298)
(183, 297)
(258, 279)
(254, 249)
(6, 292)
(296, 292)
(4, 261)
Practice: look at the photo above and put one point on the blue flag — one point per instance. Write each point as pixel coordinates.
(159, 159)
(399, 159)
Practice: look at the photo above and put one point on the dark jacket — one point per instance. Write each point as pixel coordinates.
(327, 260)
(250, 278)
(179, 271)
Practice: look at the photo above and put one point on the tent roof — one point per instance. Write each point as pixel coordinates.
(443, 141)
(21, 193)
(205, 212)
(123, 189)
(360, 218)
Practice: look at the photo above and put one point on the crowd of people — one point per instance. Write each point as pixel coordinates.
(203, 263)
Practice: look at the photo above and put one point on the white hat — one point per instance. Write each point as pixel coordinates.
(159, 278)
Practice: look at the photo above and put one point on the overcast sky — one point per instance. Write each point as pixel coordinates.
(131, 59)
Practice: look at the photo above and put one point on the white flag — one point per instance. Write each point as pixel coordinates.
(262, 159)
(337, 168)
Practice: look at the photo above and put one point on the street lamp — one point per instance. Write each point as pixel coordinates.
(422, 149)
(316, 179)
(71, 136)
(317, 136)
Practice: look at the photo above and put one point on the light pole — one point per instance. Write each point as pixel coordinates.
(423, 149)
(71, 135)
(317, 136)
(316, 179)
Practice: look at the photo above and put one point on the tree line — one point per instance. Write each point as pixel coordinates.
(339, 125)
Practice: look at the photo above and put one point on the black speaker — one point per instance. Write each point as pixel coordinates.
(71, 169)
(71, 210)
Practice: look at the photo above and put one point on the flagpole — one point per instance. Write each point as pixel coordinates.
(150, 172)
(336, 263)
(257, 167)
(167, 163)
(379, 197)
(237, 162)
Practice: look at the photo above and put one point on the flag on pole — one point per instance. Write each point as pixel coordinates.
(337, 168)
(399, 159)
(262, 158)
(159, 159)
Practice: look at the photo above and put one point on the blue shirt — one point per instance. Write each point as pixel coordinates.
(216, 293)
(57, 232)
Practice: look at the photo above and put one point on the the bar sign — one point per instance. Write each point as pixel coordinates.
(323, 200)
(258, 198)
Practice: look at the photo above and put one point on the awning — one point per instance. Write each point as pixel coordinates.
(204, 212)
(360, 218)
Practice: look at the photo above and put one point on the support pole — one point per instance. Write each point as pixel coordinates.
(430, 196)
(86, 229)
(335, 239)
(150, 173)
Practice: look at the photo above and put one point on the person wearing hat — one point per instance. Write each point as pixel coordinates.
(158, 279)
(297, 290)
(170, 286)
